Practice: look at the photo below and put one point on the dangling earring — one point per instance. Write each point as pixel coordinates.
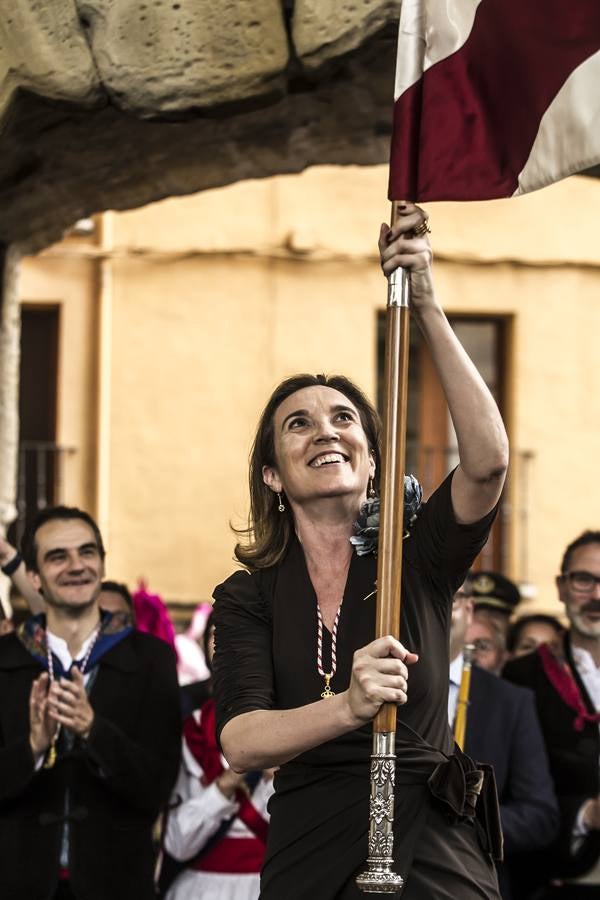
(371, 488)
(281, 507)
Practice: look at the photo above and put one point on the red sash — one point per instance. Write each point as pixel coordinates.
(562, 680)
(233, 856)
(251, 818)
(201, 740)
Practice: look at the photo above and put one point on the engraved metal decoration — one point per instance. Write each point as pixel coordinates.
(378, 878)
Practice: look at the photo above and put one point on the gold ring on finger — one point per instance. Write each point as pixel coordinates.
(423, 228)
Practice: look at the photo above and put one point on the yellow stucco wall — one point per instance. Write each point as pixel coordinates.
(214, 298)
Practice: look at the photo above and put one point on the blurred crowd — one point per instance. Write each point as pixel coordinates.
(112, 780)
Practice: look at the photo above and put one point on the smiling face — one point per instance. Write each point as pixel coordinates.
(70, 567)
(582, 606)
(321, 449)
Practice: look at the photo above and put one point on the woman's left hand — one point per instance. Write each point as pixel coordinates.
(398, 248)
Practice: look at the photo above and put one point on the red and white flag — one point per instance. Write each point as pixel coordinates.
(494, 97)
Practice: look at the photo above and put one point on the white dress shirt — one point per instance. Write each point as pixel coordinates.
(456, 667)
(59, 648)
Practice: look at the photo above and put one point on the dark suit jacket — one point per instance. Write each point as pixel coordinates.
(573, 759)
(116, 781)
(503, 729)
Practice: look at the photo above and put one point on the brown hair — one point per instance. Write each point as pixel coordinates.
(269, 532)
(52, 514)
(588, 537)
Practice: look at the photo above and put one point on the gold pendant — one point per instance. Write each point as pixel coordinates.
(50, 756)
(327, 692)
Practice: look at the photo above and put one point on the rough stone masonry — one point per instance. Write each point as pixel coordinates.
(115, 103)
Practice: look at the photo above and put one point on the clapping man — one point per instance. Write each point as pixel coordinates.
(89, 731)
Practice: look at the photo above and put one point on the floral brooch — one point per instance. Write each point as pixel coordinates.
(366, 528)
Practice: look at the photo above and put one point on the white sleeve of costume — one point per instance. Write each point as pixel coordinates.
(199, 812)
(261, 795)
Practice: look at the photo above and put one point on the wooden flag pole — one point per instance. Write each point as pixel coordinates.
(378, 876)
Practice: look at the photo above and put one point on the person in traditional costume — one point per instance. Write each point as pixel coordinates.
(298, 674)
(218, 821)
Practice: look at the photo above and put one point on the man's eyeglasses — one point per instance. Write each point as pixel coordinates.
(483, 645)
(584, 582)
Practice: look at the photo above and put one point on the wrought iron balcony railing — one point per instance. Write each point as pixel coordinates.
(40, 480)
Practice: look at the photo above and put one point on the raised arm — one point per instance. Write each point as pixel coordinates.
(19, 577)
(482, 441)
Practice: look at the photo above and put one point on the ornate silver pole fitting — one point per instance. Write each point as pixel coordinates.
(399, 288)
(379, 877)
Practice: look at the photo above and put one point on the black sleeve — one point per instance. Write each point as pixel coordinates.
(243, 661)
(17, 673)
(567, 764)
(16, 767)
(141, 767)
(528, 809)
(442, 546)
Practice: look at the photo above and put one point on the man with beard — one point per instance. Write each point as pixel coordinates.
(89, 731)
(567, 689)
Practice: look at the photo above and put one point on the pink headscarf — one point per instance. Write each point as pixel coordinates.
(152, 615)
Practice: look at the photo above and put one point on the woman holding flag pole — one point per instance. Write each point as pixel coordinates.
(299, 676)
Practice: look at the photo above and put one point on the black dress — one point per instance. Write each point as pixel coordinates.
(265, 658)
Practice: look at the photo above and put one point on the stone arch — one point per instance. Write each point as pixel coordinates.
(115, 103)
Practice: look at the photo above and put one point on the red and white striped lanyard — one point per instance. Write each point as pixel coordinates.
(327, 676)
